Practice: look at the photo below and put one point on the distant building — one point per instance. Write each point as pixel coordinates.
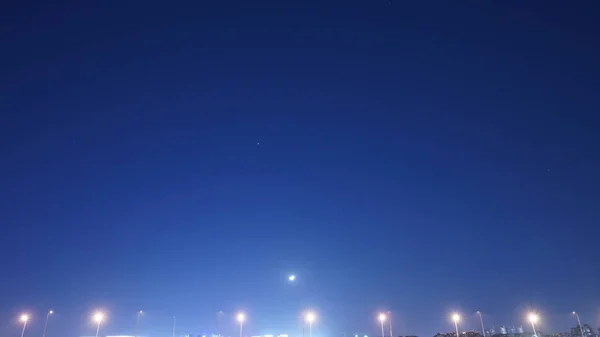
(587, 331)
(462, 334)
(490, 332)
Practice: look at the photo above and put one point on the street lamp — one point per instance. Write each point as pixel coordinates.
(579, 322)
(456, 318)
(533, 318)
(137, 322)
(382, 319)
(241, 318)
(24, 319)
(219, 313)
(174, 320)
(46, 324)
(481, 319)
(310, 318)
(98, 318)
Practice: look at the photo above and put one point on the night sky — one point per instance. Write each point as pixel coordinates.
(184, 157)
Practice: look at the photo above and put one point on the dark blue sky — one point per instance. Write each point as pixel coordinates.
(419, 157)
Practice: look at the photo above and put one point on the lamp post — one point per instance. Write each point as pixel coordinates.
(219, 313)
(390, 316)
(456, 318)
(481, 320)
(310, 318)
(98, 318)
(241, 318)
(579, 322)
(46, 324)
(382, 319)
(24, 319)
(533, 318)
(137, 323)
(174, 326)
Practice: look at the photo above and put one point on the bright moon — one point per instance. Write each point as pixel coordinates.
(292, 278)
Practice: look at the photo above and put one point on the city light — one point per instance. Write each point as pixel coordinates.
(46, 324)
(310, 317)
(533, 318)
(24, 319)
(241, 317)
(579, 323)
(481, 320)
(382, 319)
(456, 319)
(137, 322)
(99, 317)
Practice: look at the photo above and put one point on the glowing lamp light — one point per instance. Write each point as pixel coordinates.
(310, 317)
(24, 318)
(241, 317)
(99, 317)
(533, 318)
(382, 317)
(292, 278)
(456, 318)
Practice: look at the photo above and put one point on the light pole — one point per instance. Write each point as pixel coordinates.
(219, 313)
(382, 319)
(46, 324)
(579, 322)
(390, 316)
(24, 319)
(456, 318)
(241, 317)
(481, 319)
(533, 318)
(310, 318)
(137, 323)
(174, 326)
(98, 318)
